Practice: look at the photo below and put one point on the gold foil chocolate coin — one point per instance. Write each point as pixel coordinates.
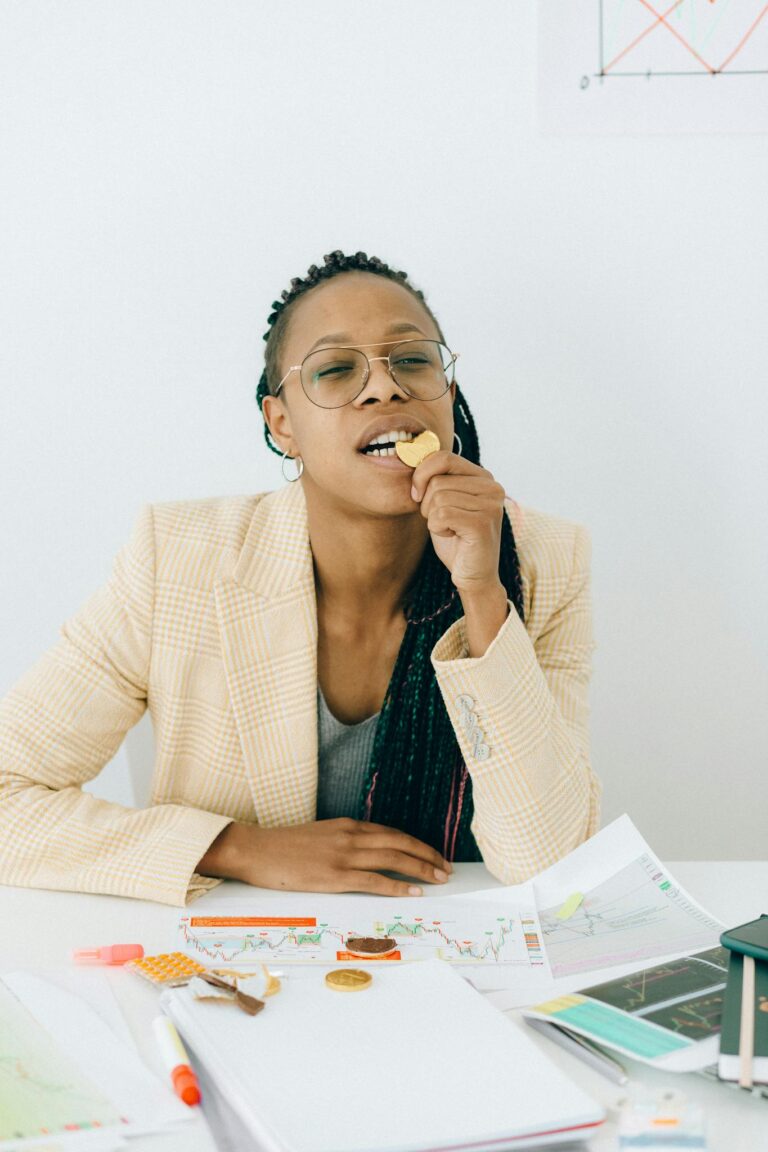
(412, 452)
(348, 979)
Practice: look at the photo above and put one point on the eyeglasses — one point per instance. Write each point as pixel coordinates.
(333, 377)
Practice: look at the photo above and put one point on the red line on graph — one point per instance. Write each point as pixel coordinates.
(661, 19)
(742, 42)
(642, 35)
(677, 36)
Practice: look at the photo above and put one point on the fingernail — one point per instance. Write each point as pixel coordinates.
(414, 891)
(440, 875)
(414, 493)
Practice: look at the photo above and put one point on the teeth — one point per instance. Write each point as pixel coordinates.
(381, 452)
(390, 438)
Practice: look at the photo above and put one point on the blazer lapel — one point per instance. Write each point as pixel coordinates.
(268, 624)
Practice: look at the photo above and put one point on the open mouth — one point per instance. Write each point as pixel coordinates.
(385, 445)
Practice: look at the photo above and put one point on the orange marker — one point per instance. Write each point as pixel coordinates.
(176, 1061)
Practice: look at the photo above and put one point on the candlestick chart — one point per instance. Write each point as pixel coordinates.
(486, 935)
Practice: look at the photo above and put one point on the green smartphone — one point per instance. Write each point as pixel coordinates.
(749, 939)
(745, 940)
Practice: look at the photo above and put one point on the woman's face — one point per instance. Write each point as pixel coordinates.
(358, 309)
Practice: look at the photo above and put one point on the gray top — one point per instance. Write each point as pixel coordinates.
(343, 752)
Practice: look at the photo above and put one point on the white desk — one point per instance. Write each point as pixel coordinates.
(734, 892)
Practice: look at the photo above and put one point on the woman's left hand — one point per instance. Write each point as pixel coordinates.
(463, 506)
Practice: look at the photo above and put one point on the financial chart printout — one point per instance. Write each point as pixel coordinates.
(324, 932)
(41, 1094)
(637, 913)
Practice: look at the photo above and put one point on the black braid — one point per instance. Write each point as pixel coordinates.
(416, 779)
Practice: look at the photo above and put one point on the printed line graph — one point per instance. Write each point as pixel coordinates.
(641, 38)
(219, 942)
(490, 944)
(696, 1018)
(477, 936)
(645, 990)
(635, 914)
(302, 944)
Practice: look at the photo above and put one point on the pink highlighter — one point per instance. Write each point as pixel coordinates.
(110, 954)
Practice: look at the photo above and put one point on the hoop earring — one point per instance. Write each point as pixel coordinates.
(299, 467)
(458, 439)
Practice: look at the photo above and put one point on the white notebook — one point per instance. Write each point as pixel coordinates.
(417, 1062)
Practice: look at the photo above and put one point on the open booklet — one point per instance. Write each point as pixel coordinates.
(668, 1015)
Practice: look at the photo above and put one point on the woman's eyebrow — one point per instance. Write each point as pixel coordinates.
(344, 337)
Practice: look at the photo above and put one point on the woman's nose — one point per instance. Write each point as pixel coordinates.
(380, 385)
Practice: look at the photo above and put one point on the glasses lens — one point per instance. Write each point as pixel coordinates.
(422, 368)
(332, 377)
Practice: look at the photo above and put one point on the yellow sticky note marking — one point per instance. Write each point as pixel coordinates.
(570, 906)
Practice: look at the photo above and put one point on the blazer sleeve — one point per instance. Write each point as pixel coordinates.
(61, 723)
(521, 716)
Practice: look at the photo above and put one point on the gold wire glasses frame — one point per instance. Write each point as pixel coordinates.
(367, 370)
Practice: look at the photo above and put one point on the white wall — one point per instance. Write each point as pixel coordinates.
(169, 166)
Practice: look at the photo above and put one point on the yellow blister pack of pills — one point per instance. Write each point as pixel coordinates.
(169, 968)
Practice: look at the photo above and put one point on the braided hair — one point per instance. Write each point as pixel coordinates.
(416, 779)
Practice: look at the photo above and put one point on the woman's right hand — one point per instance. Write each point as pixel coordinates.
(340, 855)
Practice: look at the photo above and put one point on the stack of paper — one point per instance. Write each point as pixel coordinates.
(417, 1061)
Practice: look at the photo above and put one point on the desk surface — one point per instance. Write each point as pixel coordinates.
(732, 891)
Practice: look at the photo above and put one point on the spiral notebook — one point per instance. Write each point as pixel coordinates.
(416, 1062)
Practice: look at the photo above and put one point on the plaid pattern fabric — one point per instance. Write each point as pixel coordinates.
(209, 620)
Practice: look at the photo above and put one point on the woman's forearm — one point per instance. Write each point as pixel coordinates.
(485, 610)
(229, 853)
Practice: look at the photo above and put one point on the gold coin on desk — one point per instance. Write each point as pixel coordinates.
(348, 979)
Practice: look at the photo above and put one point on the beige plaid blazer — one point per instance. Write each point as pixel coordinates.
(209, 620)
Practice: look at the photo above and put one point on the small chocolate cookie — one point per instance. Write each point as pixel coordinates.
(371, 945)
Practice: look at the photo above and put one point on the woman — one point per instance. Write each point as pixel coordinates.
(366, 671)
